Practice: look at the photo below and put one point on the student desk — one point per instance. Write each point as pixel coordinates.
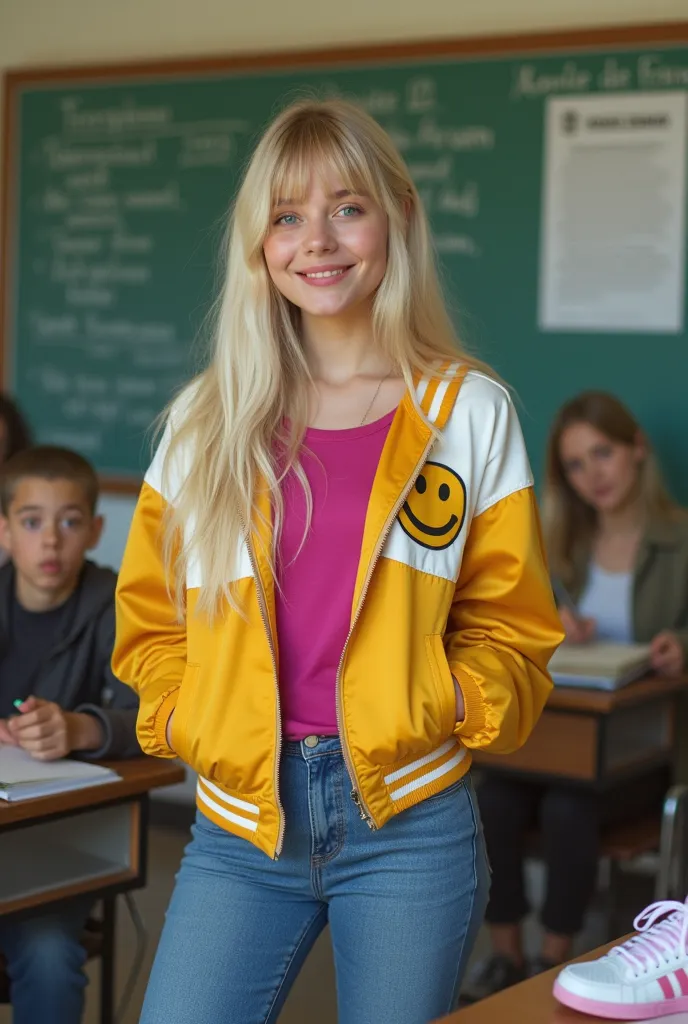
(596, 738)
(531, 1002)
(90, 841)
(87, 841)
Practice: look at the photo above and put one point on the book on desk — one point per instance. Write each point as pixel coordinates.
(23, 778)
(599, 665)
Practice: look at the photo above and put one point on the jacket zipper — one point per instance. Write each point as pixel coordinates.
(262, 604)
(356, 796)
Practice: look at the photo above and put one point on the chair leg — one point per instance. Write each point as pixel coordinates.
(139, 954)
(107, 963)
(671, 874)
(612, 899)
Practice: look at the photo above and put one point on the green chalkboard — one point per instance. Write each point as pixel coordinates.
(118, 181)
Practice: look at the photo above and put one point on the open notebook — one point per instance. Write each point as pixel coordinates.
(21, 777)
(599, 665)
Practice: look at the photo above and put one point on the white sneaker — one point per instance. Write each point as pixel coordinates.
(647, 976)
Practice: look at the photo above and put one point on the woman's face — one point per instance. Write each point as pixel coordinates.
(327, 251)
(602, 472)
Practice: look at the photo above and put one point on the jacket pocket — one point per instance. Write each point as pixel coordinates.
(183, 711)
(442, 678)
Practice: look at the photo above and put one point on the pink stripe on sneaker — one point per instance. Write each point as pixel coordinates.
(682, 979)
(620, 1011)
(666, 988)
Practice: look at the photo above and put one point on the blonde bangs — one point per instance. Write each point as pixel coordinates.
(309, 148)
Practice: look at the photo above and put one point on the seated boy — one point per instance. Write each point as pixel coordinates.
(57, 629)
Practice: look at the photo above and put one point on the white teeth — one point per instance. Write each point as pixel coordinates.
(327, 273)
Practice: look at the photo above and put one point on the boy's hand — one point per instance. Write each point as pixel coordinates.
(5, 734)
(47, 732)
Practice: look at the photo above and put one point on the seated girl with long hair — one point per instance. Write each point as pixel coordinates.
(619, 544)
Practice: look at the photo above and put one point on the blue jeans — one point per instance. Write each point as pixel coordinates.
(45, 961)
(404, 905)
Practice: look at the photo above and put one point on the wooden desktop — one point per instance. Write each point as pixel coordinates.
(91, 840)
(531, 1002)
(596, 738)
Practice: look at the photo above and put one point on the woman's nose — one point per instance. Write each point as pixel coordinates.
(320, 237)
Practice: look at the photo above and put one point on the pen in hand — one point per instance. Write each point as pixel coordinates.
(564, 599)
(5, 733)
(578, 630)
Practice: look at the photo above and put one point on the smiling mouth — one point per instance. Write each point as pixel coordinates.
(326, 273)
(431, 531)
(319, 277)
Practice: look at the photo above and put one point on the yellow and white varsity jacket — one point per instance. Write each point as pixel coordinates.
(451, 580)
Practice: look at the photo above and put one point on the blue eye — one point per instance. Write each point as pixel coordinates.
(31, 523)
(71, 523)
(287, 219)
(350, 210)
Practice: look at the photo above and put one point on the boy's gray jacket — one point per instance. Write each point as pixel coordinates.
(75, 673)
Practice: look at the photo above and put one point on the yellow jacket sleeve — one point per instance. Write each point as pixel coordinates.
(503, 625)
(150, 642)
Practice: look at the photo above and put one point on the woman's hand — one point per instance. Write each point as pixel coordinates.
(168, 731)
(578, 631)
(460, 704)
(666, 654)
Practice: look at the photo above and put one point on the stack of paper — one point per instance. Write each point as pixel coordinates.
(599, 665)
(22, 777)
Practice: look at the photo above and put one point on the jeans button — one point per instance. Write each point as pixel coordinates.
(311, 741)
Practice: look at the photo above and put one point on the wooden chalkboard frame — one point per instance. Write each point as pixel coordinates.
(465, 48)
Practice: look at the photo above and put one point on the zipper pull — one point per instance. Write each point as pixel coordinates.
(362, 812)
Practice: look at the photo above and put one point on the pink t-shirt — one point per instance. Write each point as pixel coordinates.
(317, 583)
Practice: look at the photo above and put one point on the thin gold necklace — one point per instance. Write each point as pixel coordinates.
(372, 401)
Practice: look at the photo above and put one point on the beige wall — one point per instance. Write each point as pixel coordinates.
(33, 31)
(82, 31)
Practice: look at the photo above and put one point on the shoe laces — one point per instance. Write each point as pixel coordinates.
(661, 940)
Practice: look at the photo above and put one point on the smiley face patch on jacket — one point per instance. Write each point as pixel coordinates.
(478, 460)
(434, 511)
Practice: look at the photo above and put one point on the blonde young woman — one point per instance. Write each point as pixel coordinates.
(619, 545)
(344, 504)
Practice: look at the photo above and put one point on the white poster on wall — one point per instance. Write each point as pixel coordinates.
(613, 213)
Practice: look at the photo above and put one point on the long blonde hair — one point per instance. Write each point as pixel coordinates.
(234, 414)
(569, 523)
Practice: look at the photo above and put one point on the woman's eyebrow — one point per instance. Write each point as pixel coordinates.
(342, 193)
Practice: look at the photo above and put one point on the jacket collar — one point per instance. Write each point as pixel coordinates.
(410, 436)
(659, 533)
(96, 588)
(664, 533)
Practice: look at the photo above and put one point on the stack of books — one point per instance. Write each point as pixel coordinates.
(599, 665)
(22, 777)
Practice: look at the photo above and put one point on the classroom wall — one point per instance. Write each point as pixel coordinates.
(81, 31)
(87, 30)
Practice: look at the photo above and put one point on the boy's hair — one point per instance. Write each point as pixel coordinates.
(47, 462)
(18, 433)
